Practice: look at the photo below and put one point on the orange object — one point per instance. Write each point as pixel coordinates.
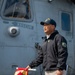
(21, 71)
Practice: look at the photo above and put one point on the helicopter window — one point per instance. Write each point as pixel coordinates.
(0, 3)
(17, 9)
(66, 21)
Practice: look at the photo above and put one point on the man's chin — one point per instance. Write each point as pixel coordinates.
(46, 33)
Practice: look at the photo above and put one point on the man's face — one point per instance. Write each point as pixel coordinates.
(48, 28)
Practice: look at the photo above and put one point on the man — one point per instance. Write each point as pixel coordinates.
(53, 54)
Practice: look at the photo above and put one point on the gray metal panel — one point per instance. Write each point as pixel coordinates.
(20, 50)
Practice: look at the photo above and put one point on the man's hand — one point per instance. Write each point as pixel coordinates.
(28, 67)
(59, 72)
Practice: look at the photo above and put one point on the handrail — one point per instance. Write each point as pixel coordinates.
(69, 70)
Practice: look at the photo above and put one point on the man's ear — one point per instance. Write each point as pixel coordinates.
(53, 27)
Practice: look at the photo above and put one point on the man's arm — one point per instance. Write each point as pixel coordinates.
(38, 60)
(62, 52)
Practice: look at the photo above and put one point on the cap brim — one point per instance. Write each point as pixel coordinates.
(42, 23)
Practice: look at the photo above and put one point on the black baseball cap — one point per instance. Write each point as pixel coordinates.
(49, 21)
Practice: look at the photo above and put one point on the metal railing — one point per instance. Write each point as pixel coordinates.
(70, 70)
